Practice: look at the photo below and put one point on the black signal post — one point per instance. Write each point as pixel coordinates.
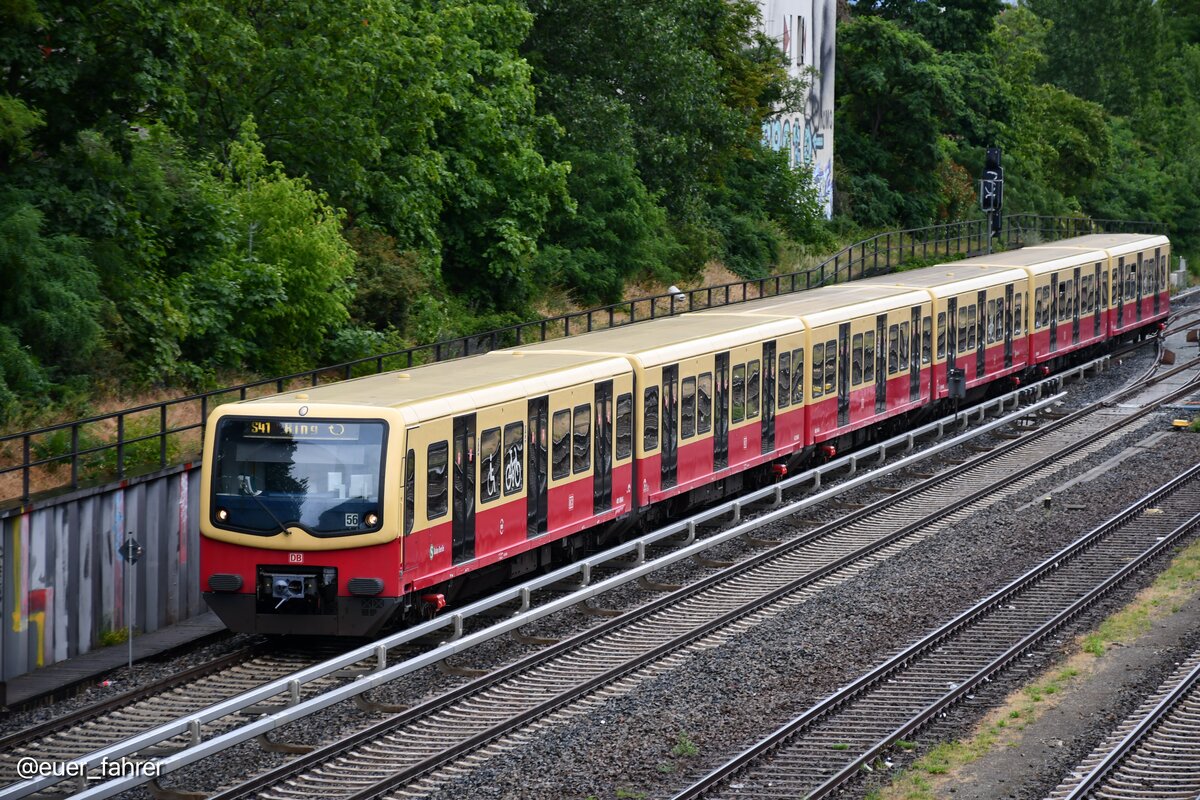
(991, 191)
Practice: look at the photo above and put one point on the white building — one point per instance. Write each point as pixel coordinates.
(805, 31)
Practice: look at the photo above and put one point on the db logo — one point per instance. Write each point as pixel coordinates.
(295, 558)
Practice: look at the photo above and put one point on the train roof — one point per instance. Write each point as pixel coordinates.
(450, 387)
(816, 307)
(1114, 243)
(671, 339)
(953, 278)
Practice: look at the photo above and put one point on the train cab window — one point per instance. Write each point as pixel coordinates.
(972, 326)
(581, 452)
(753, 391)
(927, 340)
(687, 408)
(650, 418)
(856, 360)
(798, 376)
(437, 480)
(830, 366)
(904, 342)
(514, 457)
(739, 393)
(991, 321)
(704, 403)
(785, 380)
(818, 370)
(624, 425)
(941, 344)
(489, 465)
(893, 349)
(410, 488)
(869, 357)
(1018, 316)
(560, 444)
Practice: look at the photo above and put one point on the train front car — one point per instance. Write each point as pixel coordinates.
(300, 518)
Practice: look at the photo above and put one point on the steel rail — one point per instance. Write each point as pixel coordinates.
(1134, 740)
(777, 741)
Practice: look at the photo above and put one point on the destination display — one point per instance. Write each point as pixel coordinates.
(303, 429)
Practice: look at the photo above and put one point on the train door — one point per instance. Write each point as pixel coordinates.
(951, 335)
(1096, 303)
(1138, 284)
(1160, 283)
(670, 424)
(881, 363)
(537, 488)
(1008, 326)
(1075, 306)
(1053, 312)
(914, 356)
(462, 536)
(602, 480)
(721, 413)
(843, 374)
(768, 397)
(981, 323)
(1119, 290)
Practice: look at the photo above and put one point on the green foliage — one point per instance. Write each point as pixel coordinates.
(684, 747)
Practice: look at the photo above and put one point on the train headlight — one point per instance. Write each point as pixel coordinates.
(372, 519)
(222, 514)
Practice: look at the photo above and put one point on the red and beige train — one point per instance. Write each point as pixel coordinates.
(346, 507)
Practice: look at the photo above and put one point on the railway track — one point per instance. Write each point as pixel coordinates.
(414, 753)
(294, 696)
(75, 734)
(827, 746)
(1155, 753)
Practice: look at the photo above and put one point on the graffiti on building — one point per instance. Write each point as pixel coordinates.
(805, 30)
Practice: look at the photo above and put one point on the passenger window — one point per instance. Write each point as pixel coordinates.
(489, 465)
(436, 482)
(941, 351)
(798, 376)
(687, 409)
(962, 329)
(752, 390)
(410, 489)
(650, 418)
(927, 340)
(818, 370)
(1063, 310)
(514, 457)
(972, 325)
(1104, 287)
(739, 393)
(991, 321)
(561, 444)
(869, 357)
(1018, 315)
(785, 379)
(624, 425)
(830, 366)
(904, 340)
(856, 360)
(1037, 312)
(704, 403)
(581, 456)
(893, 349)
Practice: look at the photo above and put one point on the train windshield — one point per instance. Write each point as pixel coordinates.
(322, 475)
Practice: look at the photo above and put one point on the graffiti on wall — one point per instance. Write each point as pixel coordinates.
(805, 30)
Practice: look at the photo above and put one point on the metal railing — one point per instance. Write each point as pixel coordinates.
(144, 438)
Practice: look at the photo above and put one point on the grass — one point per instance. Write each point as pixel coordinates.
(684, 747)
(630, 794)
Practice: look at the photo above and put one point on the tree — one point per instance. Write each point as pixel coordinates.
(948, 25)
